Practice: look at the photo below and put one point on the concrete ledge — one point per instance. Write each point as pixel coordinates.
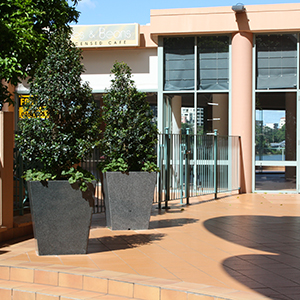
(39, 276)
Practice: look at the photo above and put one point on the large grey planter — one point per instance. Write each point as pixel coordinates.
(128, 199)
(61, 216)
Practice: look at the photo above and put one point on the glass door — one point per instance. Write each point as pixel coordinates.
(275, 91)
(275, 142)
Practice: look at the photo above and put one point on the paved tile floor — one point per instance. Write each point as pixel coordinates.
(248, 242)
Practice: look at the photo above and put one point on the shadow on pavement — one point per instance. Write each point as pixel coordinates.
(275, 272)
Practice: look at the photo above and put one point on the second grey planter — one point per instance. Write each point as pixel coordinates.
(128, 199)
(61, 215)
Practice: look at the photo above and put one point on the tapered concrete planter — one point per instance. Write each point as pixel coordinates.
(128, 199)
(61, 216)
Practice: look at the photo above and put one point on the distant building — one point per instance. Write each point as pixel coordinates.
(188, 115)
(278, 145)
(272, 125)
(281, 122)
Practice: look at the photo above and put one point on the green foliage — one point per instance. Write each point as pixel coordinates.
(129, 139)
(73, 175)
(116, 165)
(150, 167)
(184, 127)
(70, 131)
(79, 175)
(265, 135)
(26, 27)
(35, 175)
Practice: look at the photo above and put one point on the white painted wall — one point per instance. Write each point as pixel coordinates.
(98, 64)
(143, 63)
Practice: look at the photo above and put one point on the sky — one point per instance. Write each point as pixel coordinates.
(121, 11)
(270, 116)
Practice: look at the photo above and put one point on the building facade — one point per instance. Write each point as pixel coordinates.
(234, 71)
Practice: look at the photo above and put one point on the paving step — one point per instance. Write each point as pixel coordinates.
(40, 281)
(16, 290)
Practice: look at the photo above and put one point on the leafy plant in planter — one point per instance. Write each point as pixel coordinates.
(60, 127)
(128, 147)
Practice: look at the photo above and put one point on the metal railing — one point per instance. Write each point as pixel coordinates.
(190, 165)
(195, 165)
(21, 200)
(90, 164)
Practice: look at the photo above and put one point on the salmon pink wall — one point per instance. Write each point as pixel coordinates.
(257, 18)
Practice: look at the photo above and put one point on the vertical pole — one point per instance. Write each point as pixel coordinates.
(21, 185)
(159, 175)
(160, 116)
(187, 167)
(167, 170)
(215, 162)
(182, 151)
(160, 97)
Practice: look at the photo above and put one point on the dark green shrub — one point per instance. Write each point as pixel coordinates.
(61, 122)
(130, 137)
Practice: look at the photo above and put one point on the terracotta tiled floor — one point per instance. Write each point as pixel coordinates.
(243, 242)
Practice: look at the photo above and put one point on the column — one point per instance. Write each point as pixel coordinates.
(241, 103)
(176, 114)
(176, 139)
(290, 133)
(6, 169)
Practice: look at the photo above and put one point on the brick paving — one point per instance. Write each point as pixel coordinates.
(249, 243)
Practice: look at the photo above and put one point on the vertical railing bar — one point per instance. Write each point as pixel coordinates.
(21, 186)
(159, 175)
(187, 169)
(167, 168)
(215, 163)
(182, 148)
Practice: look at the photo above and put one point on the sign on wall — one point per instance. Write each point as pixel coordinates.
(22, 114)
(121, 35)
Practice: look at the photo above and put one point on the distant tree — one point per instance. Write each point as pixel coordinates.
(25, 30)
(185, 126)
(280, 134)
(265, 135)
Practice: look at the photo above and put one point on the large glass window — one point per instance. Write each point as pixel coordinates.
(276, 112)
(275, 140)
(207, 58)
(276, 61)
(179, 64)
(214, 113)
(213, 62)
(275, 127)
(275, 178)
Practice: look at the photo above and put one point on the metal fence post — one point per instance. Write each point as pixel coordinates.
(21, 186)
(159, 175)
(187, 166)
(215, 163)
(167, 170)
(182, 153)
